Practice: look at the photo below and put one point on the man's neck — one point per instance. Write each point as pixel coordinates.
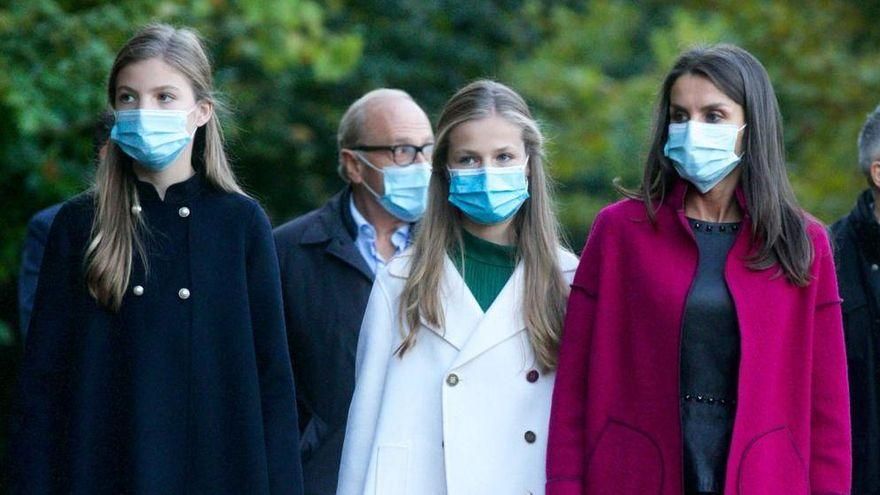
(384, 223)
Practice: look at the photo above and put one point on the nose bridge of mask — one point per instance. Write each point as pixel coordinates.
(714, 136)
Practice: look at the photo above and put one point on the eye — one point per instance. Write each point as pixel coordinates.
(125, 98)
(714, 117)
(467, 161)
(504, 158)
(166, 97)
(678, 116)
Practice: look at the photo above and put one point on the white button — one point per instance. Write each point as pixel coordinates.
(136, 209)
(183, 293)
(183, 212)
(138, 290)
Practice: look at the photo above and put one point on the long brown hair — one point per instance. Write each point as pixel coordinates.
(117, 228)
(535, 227)
(778, 223)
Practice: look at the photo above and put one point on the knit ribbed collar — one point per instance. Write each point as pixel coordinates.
(483, 251)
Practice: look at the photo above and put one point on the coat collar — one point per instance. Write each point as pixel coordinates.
(178, 193)
(467, 328)
(866, 227)
(335, 227)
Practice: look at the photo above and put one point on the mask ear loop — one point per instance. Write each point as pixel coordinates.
(741, 155)
(377, 169)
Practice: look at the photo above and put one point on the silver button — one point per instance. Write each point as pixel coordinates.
(875, 267)
(136, 209)
(183, 293)
(138, 290)
(183, 212)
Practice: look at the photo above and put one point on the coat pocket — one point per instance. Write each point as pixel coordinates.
(625, 461)
(391, 469)
(772, 465)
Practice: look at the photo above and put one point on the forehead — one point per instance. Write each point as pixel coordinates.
(395, 119)
(486, 134)
(696, 91)
(145, 75)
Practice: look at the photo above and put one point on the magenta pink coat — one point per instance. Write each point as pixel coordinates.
(615, 425)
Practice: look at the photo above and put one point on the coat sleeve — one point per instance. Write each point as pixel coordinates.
(566, 442)
(830, 451)
(38, 430)
(374, 351)
(277, 395)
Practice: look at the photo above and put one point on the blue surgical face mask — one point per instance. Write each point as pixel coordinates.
(154, 138)
(703, 154)
(488, 195)
(406, 189)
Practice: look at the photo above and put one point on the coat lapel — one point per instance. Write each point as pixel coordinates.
(503, 320)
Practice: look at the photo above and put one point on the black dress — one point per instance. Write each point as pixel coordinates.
(709, 362)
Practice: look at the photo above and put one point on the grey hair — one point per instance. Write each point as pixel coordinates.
(354, 119)
(869, 142)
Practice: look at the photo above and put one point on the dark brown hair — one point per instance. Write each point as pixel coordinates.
(779, 226)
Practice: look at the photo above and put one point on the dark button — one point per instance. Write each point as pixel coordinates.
(532, 376)
(722, 228)
(708, 228)
(530, 436)
(452, 380)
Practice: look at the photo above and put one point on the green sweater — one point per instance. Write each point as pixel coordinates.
(486, 267)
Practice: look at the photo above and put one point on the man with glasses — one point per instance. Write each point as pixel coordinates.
(330, 256)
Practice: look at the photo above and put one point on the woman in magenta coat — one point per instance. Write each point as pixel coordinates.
(703, 349)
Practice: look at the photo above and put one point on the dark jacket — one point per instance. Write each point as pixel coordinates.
(31, 257)
(326, 284)
(187, 389)
(857, 240)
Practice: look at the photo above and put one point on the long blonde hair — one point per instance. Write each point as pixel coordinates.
(535, 227)
(117, 228)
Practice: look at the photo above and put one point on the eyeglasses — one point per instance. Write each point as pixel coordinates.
(401, 154)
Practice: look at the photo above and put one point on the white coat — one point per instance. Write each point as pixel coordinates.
(464, 411)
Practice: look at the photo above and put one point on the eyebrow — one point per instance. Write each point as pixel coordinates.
(154, 90)
(496, 150)
(710, 106)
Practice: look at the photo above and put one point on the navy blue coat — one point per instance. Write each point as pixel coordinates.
(188, 388)
(326, 284)
(31, 257)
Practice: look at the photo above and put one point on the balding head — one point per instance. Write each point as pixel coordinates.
(373, 119)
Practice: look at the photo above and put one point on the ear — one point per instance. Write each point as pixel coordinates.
(874, 173)
(353, 167)
(203, 112)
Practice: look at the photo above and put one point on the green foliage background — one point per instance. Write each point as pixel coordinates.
(289, 68)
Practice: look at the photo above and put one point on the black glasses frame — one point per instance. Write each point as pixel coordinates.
(396, 155)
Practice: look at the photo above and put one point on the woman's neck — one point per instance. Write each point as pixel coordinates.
(717, 205)
(180, 170)
(499, 233)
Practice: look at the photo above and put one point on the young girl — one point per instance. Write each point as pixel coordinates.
(156, 360)
(458, 345)
(703, 350)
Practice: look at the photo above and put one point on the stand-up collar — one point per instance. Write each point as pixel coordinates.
(181, 192)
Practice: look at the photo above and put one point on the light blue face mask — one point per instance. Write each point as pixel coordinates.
(406, 189)
(153, 138)
(488, 195)
(703, 154)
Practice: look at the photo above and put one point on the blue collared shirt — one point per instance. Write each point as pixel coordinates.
(366, 239)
